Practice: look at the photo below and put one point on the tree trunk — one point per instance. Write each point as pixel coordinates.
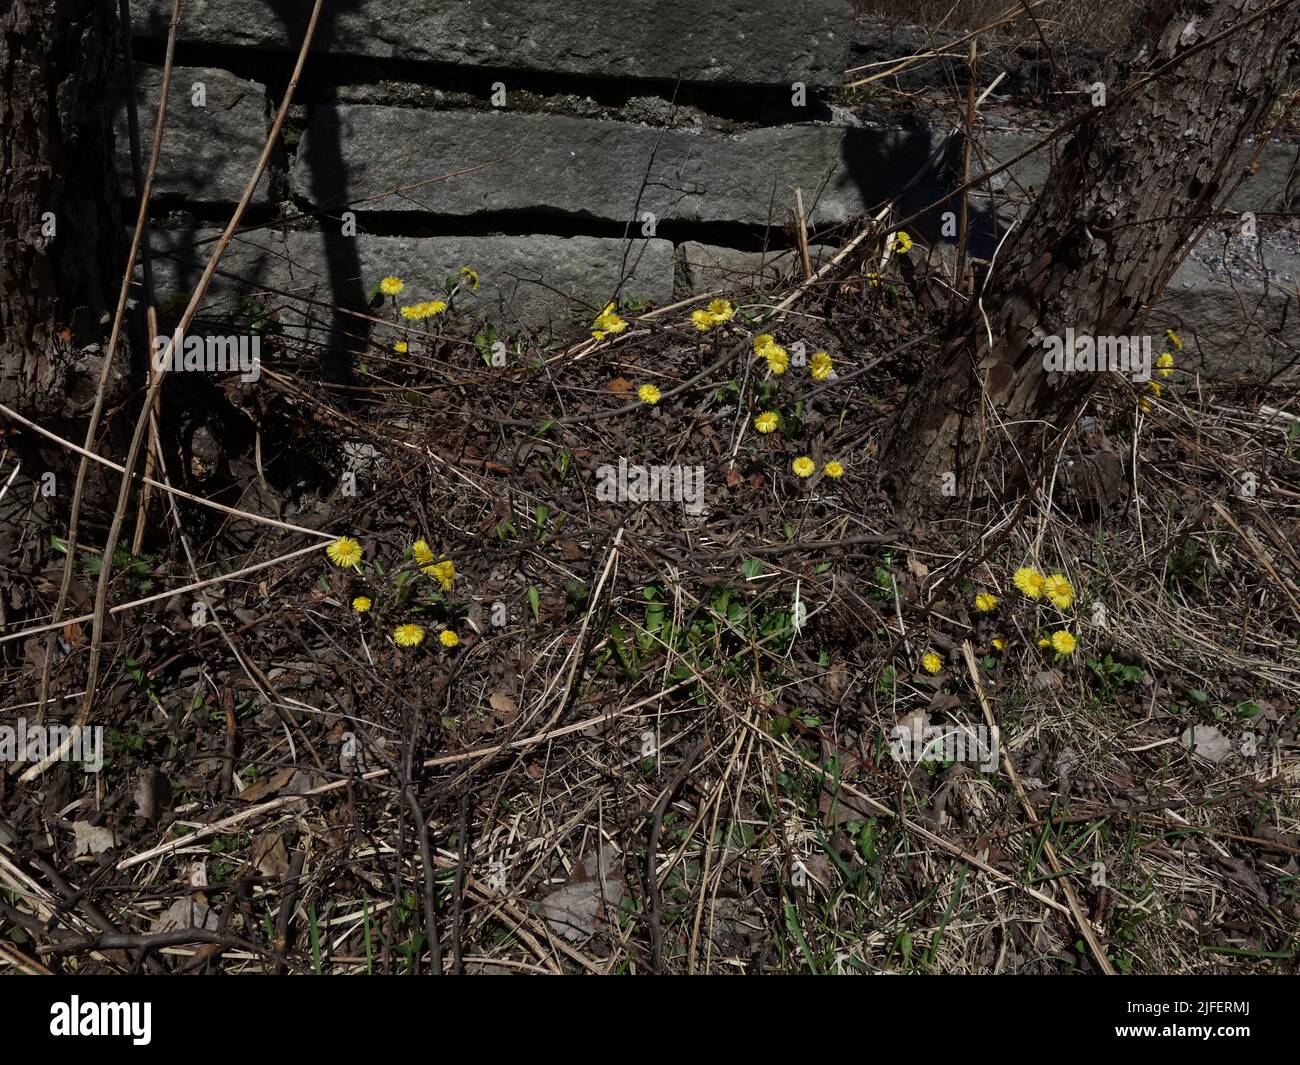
(60, 232)
(1131, 186)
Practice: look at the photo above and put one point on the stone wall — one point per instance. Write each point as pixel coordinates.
(570, 152)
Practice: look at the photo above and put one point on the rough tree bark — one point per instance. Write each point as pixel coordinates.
(55, 169)
(1133, 182)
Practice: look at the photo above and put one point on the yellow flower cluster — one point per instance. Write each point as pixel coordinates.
(411, 635)
(607, 323)
(718, 312)
(1057, 590)
(803, 466)
(1164, 367)
(443, 572)
(778, 359)
(346, 552)
(902, 243)
(417, 312)
(986, 603)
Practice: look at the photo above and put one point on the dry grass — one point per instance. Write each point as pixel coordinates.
(779, 833)
(643, 710)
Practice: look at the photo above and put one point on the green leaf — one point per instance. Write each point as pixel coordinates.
(534, 601)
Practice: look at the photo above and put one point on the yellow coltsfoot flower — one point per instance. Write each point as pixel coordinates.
(767, 421)
(361, 604)
(778, 359)
(1165, 364)
(401, 347)
(444, 573)
(1063, 643)
(803, 466)
(931, 662)
(470, 277)
(408, 635)
(762, 342)
(392, 286)
(648, 394)
(986, 603)
(820, 365)
(344, 552)
(1059, 590)
(448, 638)
(421, 552)
(721, 311)
(902, 243)
(999, 644)
(1029, 581)
(834, 469)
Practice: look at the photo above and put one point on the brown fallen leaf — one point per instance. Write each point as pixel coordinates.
(91, 839)
(266, 786)
(270, 855)
(585, 905)
(503, 705)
